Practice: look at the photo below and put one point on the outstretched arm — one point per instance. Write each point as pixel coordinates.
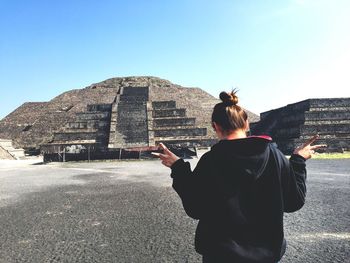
(294, 182)
(189, 185)
(168, 158)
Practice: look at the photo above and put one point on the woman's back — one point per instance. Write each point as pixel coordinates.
(240, 189)
(240, 186)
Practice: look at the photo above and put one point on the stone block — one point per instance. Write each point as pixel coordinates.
(99, 107)
(93, 115)
(173, 122)
(161, 105)
(169, 113)
(293, 124)
(180, 132)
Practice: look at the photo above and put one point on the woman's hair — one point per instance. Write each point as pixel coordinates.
(228, 114)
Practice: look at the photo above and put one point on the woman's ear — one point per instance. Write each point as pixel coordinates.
(218, 130)
(246, 126)
(216, 127)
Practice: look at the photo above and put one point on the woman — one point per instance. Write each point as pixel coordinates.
(240, 189)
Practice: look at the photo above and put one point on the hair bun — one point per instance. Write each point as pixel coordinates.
(229, 99)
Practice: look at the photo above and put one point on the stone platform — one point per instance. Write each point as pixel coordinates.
(293, 124)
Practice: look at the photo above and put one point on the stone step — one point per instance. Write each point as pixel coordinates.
(191, 132)
(327, 122)
(160, 105)
(96, 124)
(169, 113)
(93, 115)
(326, 136)
(328, 115)
(68, 136)
(133, 98)
(77, 125)
(136, 91)
(334, 109)
(56, 146)
(130, 119)
(330, 103)
(309, 129)
(166, 122)
(296, 121)
(326, 128)
(99, 107)
(185, 141)
(319, 116)
(81, 130)
(173, 128)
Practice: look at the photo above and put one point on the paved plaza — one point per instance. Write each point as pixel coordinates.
(126, 211)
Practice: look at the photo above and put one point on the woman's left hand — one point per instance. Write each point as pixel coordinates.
(168, 158)
(306, 150)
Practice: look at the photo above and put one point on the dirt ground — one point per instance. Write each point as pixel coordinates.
(127, 212)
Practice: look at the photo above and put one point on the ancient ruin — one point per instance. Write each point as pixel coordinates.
(119, 115)
(291, 125)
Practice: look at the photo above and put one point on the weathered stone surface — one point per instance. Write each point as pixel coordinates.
(34, 124)
(291, 125)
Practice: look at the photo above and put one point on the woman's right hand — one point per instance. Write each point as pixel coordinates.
(306, 150)
(168, 158)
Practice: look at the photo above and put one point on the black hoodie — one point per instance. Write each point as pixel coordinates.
(239, 191)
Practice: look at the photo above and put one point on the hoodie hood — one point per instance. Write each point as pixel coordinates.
(248, 155)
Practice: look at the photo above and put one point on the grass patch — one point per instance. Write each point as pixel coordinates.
(331, 155)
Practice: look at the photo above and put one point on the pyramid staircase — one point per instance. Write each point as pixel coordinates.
(173, 127)
(90, 128)
(131, 122)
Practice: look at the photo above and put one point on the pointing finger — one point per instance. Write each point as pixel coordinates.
(162, 146)
(310, 141)
(318, 146)
(163, 156)
(155, 154)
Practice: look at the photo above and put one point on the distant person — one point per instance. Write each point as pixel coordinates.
(240, 189)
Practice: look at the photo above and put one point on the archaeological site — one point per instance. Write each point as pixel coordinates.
(127, 117)
(116, 118)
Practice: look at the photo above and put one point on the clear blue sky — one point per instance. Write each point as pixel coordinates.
(275, 52)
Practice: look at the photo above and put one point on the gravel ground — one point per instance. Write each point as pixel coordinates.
(127, 212)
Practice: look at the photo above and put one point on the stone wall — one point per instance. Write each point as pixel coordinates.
(291, 125)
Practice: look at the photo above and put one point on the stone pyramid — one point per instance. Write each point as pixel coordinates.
(118, 113)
